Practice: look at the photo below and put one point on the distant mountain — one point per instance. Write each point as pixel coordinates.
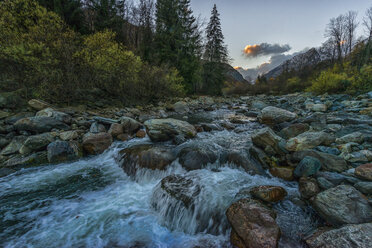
(297, 63)
(234, 75)
(248, 74)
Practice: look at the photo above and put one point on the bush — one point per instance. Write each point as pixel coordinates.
(330, 82)
(362, 82)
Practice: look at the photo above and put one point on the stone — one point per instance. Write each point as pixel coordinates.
(269, 193)
(364, 172)
(104, 120)
(6, 172)
(194, 158)
(306, 140)
(141, 134)
(307, 167)
(36, 143)
(324, 183)
(97, 128)
(14, 146)
(96, 143)
(146, 157)
(242, 159)
(62, 151)
(38, 104)
(364, 187)
(294, 130)
(3, 142)
(167, 129)
(116, 129)
(319, 107)
(266, 139)
(69, 135)
(273, 115)
(21, 161)
(343, 204)
(58, 115)
(356, 137)
(39, 124)
(253, 224)
(285, 173)
(130, 126)
(308, 187)
(358, 236)
(181, 107)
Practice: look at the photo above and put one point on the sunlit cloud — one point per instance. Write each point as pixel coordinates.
(251, 51)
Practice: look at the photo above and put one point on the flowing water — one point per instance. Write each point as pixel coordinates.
(93, 203)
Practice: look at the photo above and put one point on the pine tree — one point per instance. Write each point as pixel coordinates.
(215, 55)
(177, 40)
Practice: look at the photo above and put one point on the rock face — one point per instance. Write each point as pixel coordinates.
(39, 124)
(269, 193)
(343, 205)
(253, 224)
(167, 129)
(194, 158)
(96, 143)
(273, 115)
(358, 236)
(145, 156)
(306, 140)
(364, 172)
(62, 151)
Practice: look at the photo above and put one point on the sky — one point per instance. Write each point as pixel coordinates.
(279, 24)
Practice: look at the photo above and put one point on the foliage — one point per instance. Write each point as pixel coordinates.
(330, 82)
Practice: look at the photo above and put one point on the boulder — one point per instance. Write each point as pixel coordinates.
(253, 225)
(358, 236)
(356, 137)
(364, 187)
(285, 173)
(308, 187)
(307, 140)
(97, 128)
(116, 129)
(130, 126)
(273, 115)
(242, 159)
(269, 193)
(69, 135)
(364, 172)
(181, 107)
(3, 142)
(38, 104)
(343, 204)
(60, 116)
(266, 139)
(63, 151)
(96, 143)
(145, 156)
(307, 167)
(194, 158)
(14, 146)
(167, 129)
(141, 134)
(294, 130)
(36, 143)
(319, 107)
(39, 124)
(21, 161)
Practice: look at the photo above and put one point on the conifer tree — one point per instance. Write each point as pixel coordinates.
(215, 55)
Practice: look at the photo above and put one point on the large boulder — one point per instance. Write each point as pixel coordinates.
(253, 225)
(343, 205)
(145, 156)
(130, 126)
(39, 124)
(364, 172)
(307, 140)
(266, 139)
(36, 143)
(62, 151)
(269, 193)
(167, 129)
(58, 115)
(329, 162)
(357, 236)
(96, 143)
(273, 115)
(194, 158)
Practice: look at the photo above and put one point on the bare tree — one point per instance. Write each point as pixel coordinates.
(367, 22)
(336, 32)
(351, 25)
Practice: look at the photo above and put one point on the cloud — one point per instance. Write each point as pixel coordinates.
(252, 51)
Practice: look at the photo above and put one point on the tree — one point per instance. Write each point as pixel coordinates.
(146, 23)
(367, 22)
(335, 31)
(215, 55)
(351, 25)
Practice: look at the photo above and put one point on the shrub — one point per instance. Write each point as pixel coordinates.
(330, 82)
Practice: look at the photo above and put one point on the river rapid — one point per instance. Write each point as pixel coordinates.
(93, 203)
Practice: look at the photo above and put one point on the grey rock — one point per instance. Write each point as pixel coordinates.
(194, 158)
(62, 151)
(39, 124)
(273, 115)
(307, 167)
(14, 146)
(36, 143)
(167, 129)
(60, 116)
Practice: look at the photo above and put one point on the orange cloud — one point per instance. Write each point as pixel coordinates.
(249, 49)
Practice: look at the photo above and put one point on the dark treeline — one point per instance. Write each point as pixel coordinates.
(142, 50)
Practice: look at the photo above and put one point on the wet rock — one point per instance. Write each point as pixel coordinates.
(208, 127)
(285, 173)
(181, 107)
(145, 156)
(266, 139)
(308, 187)
(63, 151)
(194, 158)
(97, 128)
(36, 143)
(39, 124)
(116, 129)
(253, 224)
(358, 236)
(273, 115)
(141, 133)
(242, 159)
(22, 161)
(364, 172)
(294, 130)
(14, 146)
(6, 172)
(130, 126)
(269, 193)
(38, 104)
(329, 162)
(307, 140)
(307, 167)
(96, 143)
(167, 129)
(343, 204)
(356, 137)
(60, 116)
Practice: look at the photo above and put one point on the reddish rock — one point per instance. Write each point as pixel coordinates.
(96, 143)
(269, 193)
(116, 129)
(285, 173)
(364, 172)
(141, 134)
